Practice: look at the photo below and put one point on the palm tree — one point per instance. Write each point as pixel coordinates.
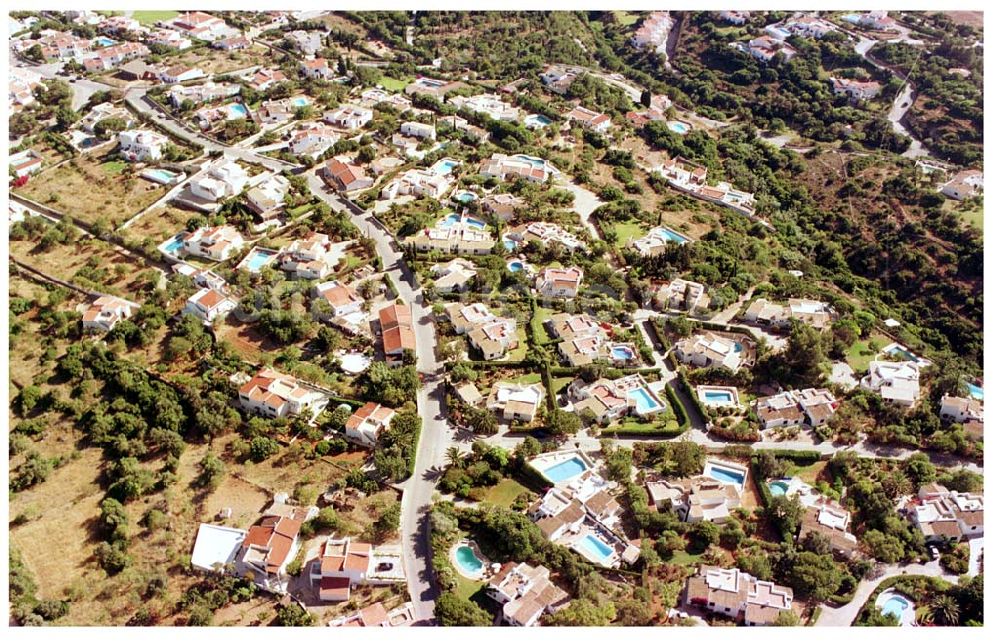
(945, 609)
(454, 456)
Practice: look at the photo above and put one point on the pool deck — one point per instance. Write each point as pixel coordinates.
(452, 556)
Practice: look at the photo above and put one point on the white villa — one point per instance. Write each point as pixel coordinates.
(275, 395)
(489, 104)
(220, 182)
(349, 117)
(525, 593)
(312, 257)
(507, 168)
(367, 423)
(708, 350)
(681, 294)
(515, 401)
(454, 275)
(209, 304)
(942, 514)
(563, 283)
(896, 382)
(343, 300)
(417, 182)
(217, 243)
(545, 233)
(105, 312)
(738, 594)
(812, 407)
(141, 144)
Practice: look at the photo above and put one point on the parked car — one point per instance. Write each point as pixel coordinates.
(935, 554)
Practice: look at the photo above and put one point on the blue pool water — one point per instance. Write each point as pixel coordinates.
(678, 127)
(719, 396)
(445, 166)
(258, 260)
(975, 391)
(465, 197)
(162, 175)
(852, 18)
(104, 41)
(644, 402)
(622, 353)
(175, 244)
(905, 354)
(237, 110)
(593, 546)
(300, 101)
(468, 561)
(515, 266)
(726, 475)
(670, 235)
(509, 243)
(737, 347)
(778, 488)
(537, 120)
(535, 161)
(896, 606)
(566, 470)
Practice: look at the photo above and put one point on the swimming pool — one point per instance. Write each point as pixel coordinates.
(172, 246)
(509, 243)
(236, 110)
(466, 197)
(467, 561)
(902, 352)
(737, 347)
(622, 353)
(777, 488)
(534, 160)
(536, 121)
(644, 400)
(475, 223)
(159, 175)
(669, 235)
(257, 260)
(444, 166)
(896, 605)
(565, 470)
(726, 475)
(103, 41)
(678, 127)
(515, 266)
(300, 101)
(975, 391)
(719, 397)
(595, 547)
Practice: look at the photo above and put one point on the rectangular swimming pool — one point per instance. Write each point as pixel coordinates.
(975, 391)
(258, 260)
(644, 401)
(726, 475)
(719, 396)
(173, 245)
(594, 546)
(565, 470)
(236, 110)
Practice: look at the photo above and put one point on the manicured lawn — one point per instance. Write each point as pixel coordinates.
(521, 351)
(530, 378)
(859, 354)
(467, 587)
(809, 473)
(684, 558)
(626, 18)
(559, 383)
(538, 324)
(114, 168)
(628, 231)
(150, 17)
(394, 84)
(503, 493)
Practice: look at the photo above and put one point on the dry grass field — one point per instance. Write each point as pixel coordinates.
(90, 190)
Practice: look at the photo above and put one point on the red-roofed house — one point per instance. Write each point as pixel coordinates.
(208, 304)
(275, 395)
(344, 176)
(365, 425)
(106, 312)
(396, 323)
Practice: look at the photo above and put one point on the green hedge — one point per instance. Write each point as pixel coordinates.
(652, 431)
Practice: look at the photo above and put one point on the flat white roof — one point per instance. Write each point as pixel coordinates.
(216, 545)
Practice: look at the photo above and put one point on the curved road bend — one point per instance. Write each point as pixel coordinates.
(435, 436)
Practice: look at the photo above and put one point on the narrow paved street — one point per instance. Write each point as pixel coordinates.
(844, 615)
(435, 436)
